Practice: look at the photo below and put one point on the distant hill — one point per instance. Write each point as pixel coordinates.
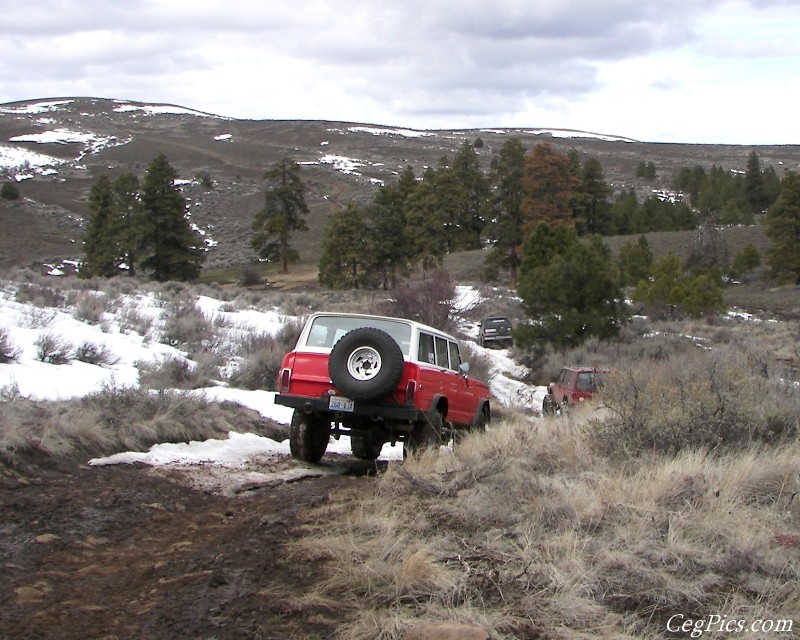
(56, 148)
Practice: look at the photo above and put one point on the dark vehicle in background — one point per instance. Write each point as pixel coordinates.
(495, 330)
(573, 384)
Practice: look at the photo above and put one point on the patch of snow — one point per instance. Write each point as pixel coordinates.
(16, 157)
(228, 137)
(380, 131)
(570, 133)
(155, 110)
(39, 107)
(342, 163)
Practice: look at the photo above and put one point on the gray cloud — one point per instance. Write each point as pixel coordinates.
(468, 60)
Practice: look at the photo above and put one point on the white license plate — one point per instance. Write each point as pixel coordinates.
(338, 403)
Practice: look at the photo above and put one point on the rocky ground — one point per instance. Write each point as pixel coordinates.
(137, 552)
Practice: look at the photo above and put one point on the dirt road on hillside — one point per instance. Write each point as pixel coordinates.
(135, 552)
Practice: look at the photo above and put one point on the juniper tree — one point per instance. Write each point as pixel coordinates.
(568, 289)
(169, 248)
(283, 213)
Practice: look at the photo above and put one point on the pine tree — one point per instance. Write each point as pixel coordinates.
(592, 209)
(783, 229)
(102, 239)
(425, 233)
(345, 250)
(445, 202)
(169, 248)
(473, 195)
(550, 183)
(284, 213)
(506, 179)
(754, 184)
(386, 221)
(568, 290)
(128, 205)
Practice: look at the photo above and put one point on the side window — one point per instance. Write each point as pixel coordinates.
(426, 353)
(442, 353)
(562, 377)
(455, 356)
(569, 379)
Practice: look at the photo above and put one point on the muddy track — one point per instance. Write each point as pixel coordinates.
(128, 552)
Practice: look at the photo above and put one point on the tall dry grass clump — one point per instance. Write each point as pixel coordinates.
(530, 531)
(114, 419)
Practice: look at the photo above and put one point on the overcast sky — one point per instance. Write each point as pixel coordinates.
(704, 71)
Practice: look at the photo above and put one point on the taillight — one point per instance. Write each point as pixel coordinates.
(284, 379)
(411, 391)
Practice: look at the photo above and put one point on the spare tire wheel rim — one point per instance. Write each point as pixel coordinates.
(364, 363)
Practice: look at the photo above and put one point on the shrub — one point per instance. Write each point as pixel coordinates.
(258, 371)
(130, 319)
(53, 349)
(89, 307)
(8, 351)
(703, 400)
(186, 327)
(9, 191)
(39, 295)
(250, 277)
(92, 353)
(171, 373)
(428, 301)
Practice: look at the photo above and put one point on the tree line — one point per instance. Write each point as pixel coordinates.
(140, 227)
(541, 214)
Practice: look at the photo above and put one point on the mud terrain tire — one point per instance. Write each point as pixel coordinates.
(366, 364)
(427, 434)
(549, 406)
(364, 448)
(308, 436)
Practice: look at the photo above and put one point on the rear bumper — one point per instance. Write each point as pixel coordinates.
(393, 412)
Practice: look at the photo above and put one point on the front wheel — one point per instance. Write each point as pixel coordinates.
(308, 436)
(549, 406)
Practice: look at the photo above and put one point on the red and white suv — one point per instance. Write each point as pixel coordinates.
(574, 384)
(378, 380)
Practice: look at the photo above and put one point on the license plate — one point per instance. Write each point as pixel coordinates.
(338, 403)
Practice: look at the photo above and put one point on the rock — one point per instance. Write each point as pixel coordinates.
(46, 538)
(446, 631)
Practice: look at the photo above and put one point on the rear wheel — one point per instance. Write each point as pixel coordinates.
(364, 448)
(426, 434)
(308, 436)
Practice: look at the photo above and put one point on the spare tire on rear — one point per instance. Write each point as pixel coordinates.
(366, 364)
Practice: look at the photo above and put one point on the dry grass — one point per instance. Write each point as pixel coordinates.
(115, 419)
(529, 533)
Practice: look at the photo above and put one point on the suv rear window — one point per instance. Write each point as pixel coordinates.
(327, 330)
(496, 322)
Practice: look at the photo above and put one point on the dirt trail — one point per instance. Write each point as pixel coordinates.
(130, 552)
